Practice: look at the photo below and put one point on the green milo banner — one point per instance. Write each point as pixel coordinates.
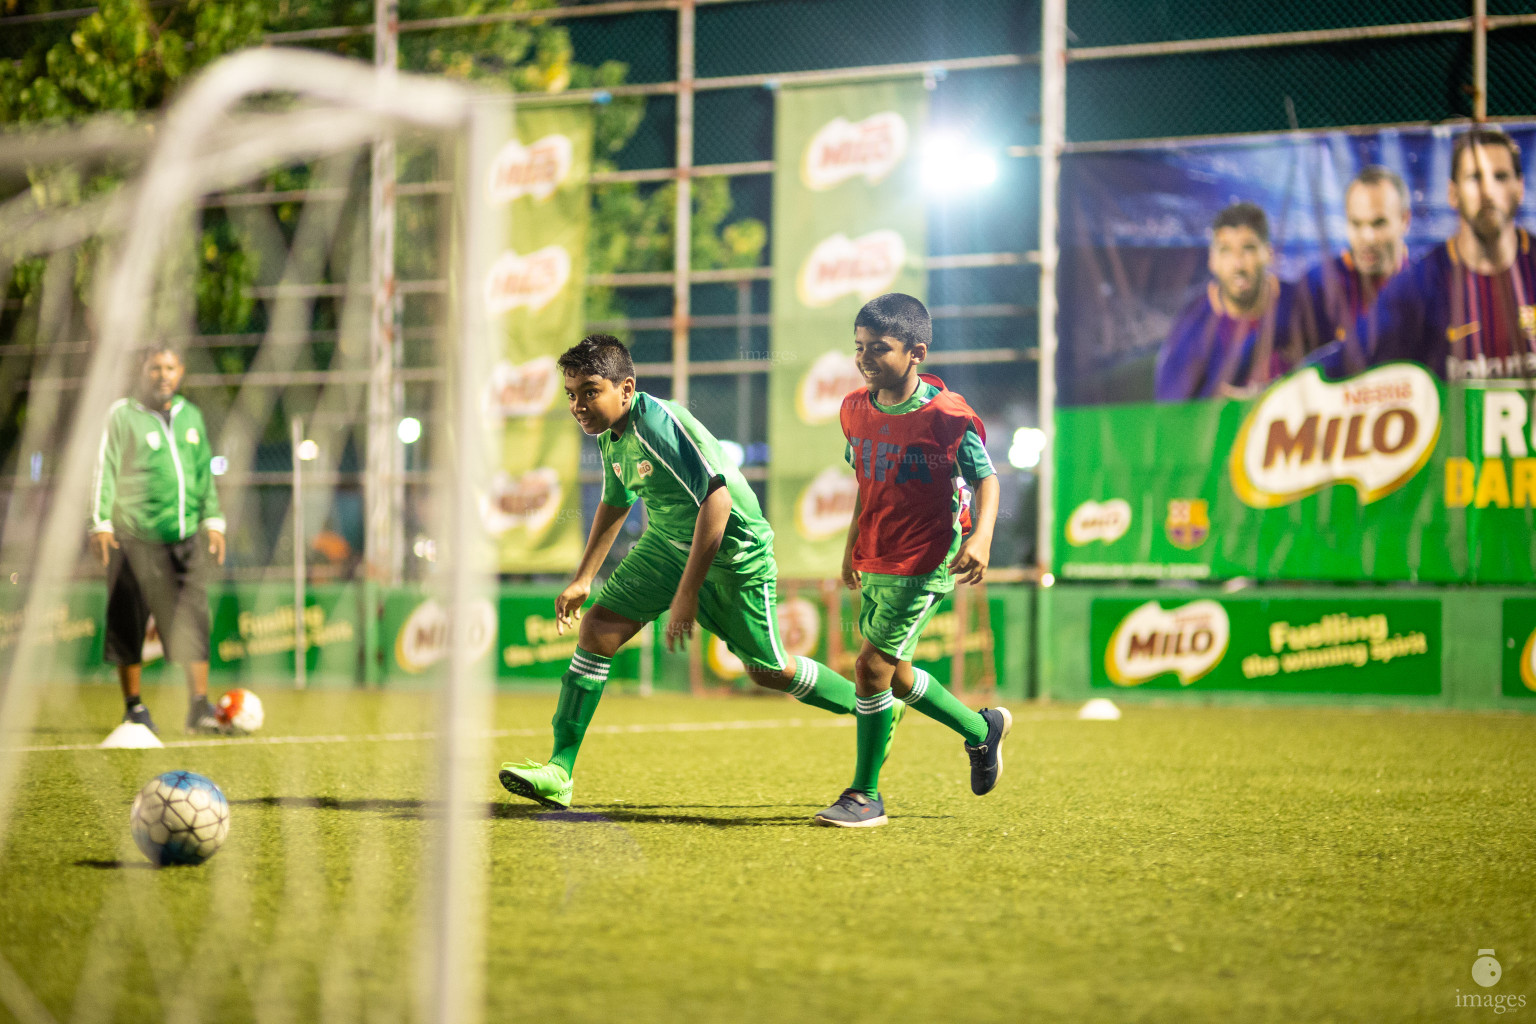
(1519, 677)
(540, 183)
(517, 630)
(849, 224)
(71, 634)
(1390, 475)
(1267, 645)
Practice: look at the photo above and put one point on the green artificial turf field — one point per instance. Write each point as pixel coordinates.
(1183, 864)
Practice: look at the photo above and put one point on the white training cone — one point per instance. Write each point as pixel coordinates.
(131, 736)
(1100, 709)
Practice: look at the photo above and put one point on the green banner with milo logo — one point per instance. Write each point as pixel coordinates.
(535, 296)
(1387, 476)
(849, 223)
(1268, 645)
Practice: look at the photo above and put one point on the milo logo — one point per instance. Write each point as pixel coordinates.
(820, 395)
(1098, 521)
(535, 170)
(530, 281)
(825, 507)
(1375, 431)
(845, 149)
(799, 626)
(1188, 641)
(865, 266)
(530, 500)
(526, 389)
(1528, 662)
(425, 635)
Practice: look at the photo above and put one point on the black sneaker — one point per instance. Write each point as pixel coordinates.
(987, 756)
(854, 810)
(139, 714)
(201, 717)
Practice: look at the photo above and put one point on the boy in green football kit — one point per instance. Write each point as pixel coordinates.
(706, 556)
(909, 440)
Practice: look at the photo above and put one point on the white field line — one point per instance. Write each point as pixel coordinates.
(833, 722)
(416, 737)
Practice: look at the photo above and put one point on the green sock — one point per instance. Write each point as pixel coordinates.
(874, 722)
(820, 687)
(580, 690)
(940, 705)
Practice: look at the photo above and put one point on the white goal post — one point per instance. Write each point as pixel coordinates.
(245, 117)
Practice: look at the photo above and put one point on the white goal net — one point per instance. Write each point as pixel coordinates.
(107, 234)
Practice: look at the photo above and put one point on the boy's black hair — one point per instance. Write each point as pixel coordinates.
(598, 355)
(1243, 215)
(894, 315)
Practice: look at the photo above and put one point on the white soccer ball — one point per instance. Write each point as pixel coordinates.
(179, 818)
(241, 711)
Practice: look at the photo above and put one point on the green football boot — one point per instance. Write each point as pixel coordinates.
(898, 712)
(548, 784)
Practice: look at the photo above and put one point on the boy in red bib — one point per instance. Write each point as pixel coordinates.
(910, 441)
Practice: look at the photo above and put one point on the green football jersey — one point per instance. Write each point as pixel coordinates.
(154, 476)
(667, 460)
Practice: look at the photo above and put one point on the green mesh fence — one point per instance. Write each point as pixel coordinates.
(1423, 78)
(1384, 81)
(1119, 22)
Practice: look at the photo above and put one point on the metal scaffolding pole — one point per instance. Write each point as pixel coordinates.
(381, 551)
(1053, 135)
(300, 634)
(682, 235)
(1479, 60)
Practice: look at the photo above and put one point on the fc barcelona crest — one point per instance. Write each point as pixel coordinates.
(1189, 523)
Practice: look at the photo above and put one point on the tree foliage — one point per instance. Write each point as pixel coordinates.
(131, 56)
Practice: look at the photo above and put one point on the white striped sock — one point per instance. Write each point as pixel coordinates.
(592, 666)
(876, 704)
(805, 679)
(920, 681)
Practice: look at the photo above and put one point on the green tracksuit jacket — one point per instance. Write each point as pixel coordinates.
(153, 475)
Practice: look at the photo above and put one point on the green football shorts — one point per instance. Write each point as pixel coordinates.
(893, 618)
(740, 610)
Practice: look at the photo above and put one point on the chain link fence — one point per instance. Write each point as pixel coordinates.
(632, 57)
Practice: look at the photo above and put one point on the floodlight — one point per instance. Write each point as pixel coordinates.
(952, 164)
(1028, 445)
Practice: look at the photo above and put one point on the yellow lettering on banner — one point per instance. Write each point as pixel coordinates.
(1523, 493)
(1492, 485)
(1458, 482)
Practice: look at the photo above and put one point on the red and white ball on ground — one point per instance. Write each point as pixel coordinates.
(241, 711)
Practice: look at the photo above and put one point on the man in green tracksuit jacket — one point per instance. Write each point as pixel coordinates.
(152, 494)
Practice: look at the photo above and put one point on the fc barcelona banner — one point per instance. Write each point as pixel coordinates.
(1390, 475)
(1303, 357)
(540, 183)
(848, 225)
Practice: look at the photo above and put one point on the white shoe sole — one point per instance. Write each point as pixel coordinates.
(871, 823)
(1007, 728)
